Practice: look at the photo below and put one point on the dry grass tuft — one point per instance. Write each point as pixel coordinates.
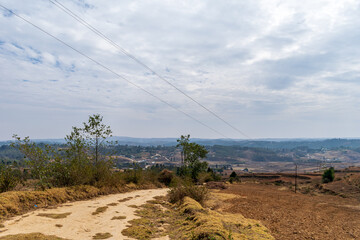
(31, 236)
(58, 225)
(150, 225)
(100, 210)
(125, 199)
(208, 224)
(133, 206)
(118, 217)
(112, 204)
(102, 235)
(54, 215)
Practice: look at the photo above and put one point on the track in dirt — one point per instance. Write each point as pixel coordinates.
(83, 219)
(297, 216)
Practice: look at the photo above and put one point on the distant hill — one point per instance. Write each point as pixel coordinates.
(257, 143)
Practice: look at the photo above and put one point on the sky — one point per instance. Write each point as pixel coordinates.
(270, 68)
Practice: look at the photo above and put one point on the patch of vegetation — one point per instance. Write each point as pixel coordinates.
(2, 225)
(118, 217)
(149, 225)
(54, 215)
(9, 178)
(125, 199)
(207, 224)
(133, 206)
(165, 177)
(58, 225)
(31, 236)
(190, 220)
(100, 210)
(328, 175)
(112, 204)
(184, 189)
(102, 236)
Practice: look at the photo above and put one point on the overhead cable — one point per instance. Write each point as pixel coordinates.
(121, 49)
(111, 71)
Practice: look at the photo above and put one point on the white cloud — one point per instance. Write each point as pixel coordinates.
(265, 66)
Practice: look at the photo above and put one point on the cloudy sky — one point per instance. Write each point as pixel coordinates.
(271, 68)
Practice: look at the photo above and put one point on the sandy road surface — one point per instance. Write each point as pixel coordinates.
(81, 223)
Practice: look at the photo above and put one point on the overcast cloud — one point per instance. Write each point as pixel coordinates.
(271, 68)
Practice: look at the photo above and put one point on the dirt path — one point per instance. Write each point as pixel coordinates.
(297, 216)
(83, 219)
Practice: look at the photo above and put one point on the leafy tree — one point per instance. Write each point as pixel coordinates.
(328, 175)
(233, 174)
(80, 162)
(37, 158)
(191, 154)
(96, 133)
(183, 143)
(233, 177)
(80, 168)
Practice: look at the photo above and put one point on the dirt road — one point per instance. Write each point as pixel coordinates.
(83, 219)
(297, 216)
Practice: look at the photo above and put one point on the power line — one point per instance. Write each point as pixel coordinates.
(97, 32)
(112, 71)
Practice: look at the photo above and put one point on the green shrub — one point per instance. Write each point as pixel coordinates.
(188, 189)
(8, 179)
(133, 175)
(165, 177)
(328, 175)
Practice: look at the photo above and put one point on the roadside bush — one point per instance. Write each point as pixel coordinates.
(165, 177)
(204, 177)
(8, 179)
(188, 189)
(133, 175)
(216, 185)
(328, 175)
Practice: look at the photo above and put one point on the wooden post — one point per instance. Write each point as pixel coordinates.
(295, 177)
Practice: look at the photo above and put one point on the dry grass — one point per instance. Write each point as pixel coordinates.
(100, 210)
(102, 235)
(31, 236)
(208, 224)
(2, 225)
(192, 221)
(58, 225)
(125, 199)
(19, 202)
(54, 215)
(112, 204)
(118, 217)
(133, 206)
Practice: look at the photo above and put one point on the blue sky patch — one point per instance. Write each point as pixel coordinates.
(17, 46)
(35, 60)
(7, 13)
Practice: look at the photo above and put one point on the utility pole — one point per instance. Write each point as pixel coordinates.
(295, 177)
